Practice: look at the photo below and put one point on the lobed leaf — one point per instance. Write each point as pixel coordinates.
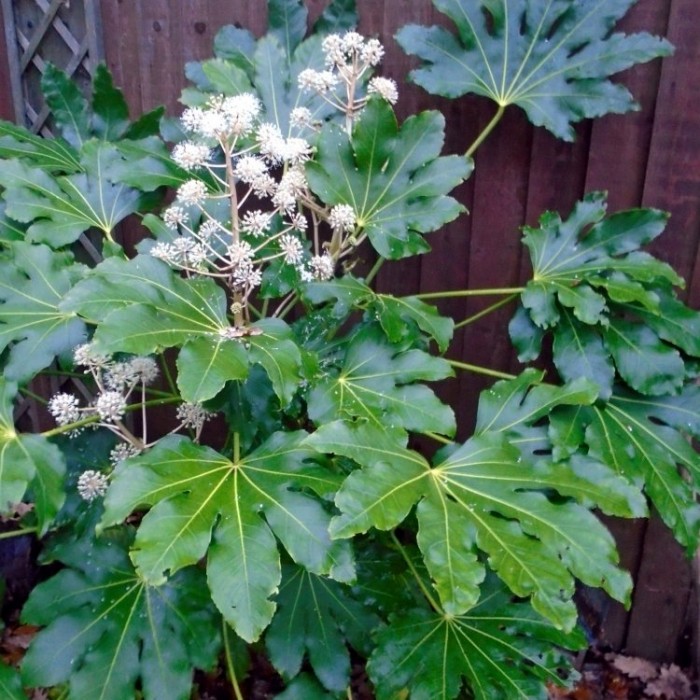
(552, 58)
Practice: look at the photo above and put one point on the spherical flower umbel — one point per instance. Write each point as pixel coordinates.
(123, 451)
(92, 484)
(192, 192)
(256, 223)
(88, 356)
(110, 406)
(385, 88)
(175, 216)
(190, 155)
(64, 408)
(292, 249)
(192, 415)
(342, 217)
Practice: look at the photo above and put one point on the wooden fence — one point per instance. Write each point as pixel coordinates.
(650, 158)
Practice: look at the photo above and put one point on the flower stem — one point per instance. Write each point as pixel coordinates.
(454, 293)
(375, 269)
(18, 533)
(486, 311)
(487, 130)
(478, 369)
(428, 595)
(230, 668)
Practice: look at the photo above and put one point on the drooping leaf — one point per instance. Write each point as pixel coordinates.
(316, 618)
(499, 649)
(202, 503)
(392, 176)
(52, 155)
(28, 461)
(379, 382)
(107, 630)
(68, 106)
(32, 285)
(644, 438)
(551, 58)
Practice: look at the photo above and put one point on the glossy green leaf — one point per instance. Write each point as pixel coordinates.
(52, 155)
(61, 209)
(552, 58)
(286, 20)
(202, 503)
(500, 649)
(110, 110)
(68, 106)
(305, 687)
(644, 438)
(28, 461)
(315, 619)
(379, 382)
(338, 16)
(32, 285)
(11, 683)
(107, 630)
(392, 176)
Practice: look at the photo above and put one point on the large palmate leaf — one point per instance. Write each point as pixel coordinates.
(107, 631)
(552, 58)
(392, 176)
(610, 307)
(60, 209)
(142, 306)
(28, 462)
(203, 503)
(645, 439)
(380, 382)
(52, 155)
(316, 617)
(11, 683)
(494, 494)
(502, 649)
(32, 285)
(401, 318)
(271, 65)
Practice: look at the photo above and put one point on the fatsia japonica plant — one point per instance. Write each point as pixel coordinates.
(233, 467)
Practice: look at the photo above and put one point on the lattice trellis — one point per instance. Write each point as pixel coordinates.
(66, 33)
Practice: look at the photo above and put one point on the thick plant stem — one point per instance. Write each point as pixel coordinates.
(477, 369)
(486, 311)
(230, 669)
(375, 269)
(456, 293)
(17, 533)
(428, 595)
(487, 130)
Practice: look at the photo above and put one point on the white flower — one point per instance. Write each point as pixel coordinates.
(299, 222)
(240, 253)
(256, 223)
(291, 186)
(296, 151)
(192, 415)
(271, 142)
(372, 52)
(123, 451)
(213, 124)
(322, 267)
(110, 406)
(332, 47)
(292, 248)
(88, 356)
(92, 484)
(250, 168)
(247, 275)
(342, 217)
(301, 117)
(64, 408)
(174, 216)
(241, 112)
(162, 251)
(143, 369)
(352, 41)
(320, 81)
(189, 155)
(192, 192)
(208, 230)
(192, 118)
(385, 88)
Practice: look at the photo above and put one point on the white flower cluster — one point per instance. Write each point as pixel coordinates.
(115, 380)
(223, 117)
(92, 485)
(192, 415)
(348, 58)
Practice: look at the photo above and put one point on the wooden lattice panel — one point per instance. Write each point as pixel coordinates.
(65, 33)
